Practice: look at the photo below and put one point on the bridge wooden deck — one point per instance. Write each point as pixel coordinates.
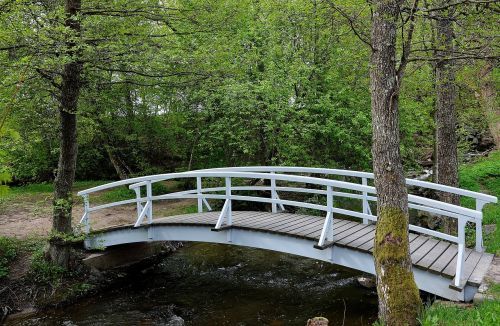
(429, 254)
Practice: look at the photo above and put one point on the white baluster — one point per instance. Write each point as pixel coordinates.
(327, 231)
(461, 249)
(366, 205)
(198, 193)
(229, 202)
(479, 226)
(274, 206)
(138, 197)
(86, 214)
(149, 194)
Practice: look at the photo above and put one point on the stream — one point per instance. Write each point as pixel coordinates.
(210, 284)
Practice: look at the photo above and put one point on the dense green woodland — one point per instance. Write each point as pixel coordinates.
(105, 90)
(213, 83)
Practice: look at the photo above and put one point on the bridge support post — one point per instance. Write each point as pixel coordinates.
(461, 251)
(274, 196)
(327, 232)
(366, 205)
(146, 210)
(198, 193)
(229, 202)
(149, 193)
(86, 214)
(226, 213)
(138, 197)
(479, 226)
(274, 206)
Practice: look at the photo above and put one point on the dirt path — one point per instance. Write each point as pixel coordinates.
(30, 215)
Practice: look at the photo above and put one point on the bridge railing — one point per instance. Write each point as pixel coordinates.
(329, 188)
(479, 198)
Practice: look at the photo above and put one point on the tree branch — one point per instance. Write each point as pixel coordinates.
(407, 43)
(351, 22)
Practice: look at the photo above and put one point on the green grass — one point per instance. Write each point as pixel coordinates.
(8, 251)
(43, 271)
(483, 175)
(179, 210)
(487, 313)
(111, 195)
(11, 248)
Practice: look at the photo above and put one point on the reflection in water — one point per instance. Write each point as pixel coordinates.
(208, 284)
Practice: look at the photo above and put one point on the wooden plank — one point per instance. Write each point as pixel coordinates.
(298, 229)
(250, 216)
(358, 242)
(469, 265)
(268, 221)
(417, 243)
(342, 228)
(433, 255)
(190, 219)
(337, 236)
(412, 236)
(288, 228)
(450, 269)
(258, 217)
(356, 235)
(316, 228)
(338, 232)
(424, 250)
(303, 231)
(481, 268)
(337, 223)
(293, 223)
(256, 220)
(368, 246)
(174, 218)
(444, 259)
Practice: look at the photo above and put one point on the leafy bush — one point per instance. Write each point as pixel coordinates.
(44, 271)
(8, 251)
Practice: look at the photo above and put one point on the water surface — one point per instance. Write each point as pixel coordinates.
(210, 284)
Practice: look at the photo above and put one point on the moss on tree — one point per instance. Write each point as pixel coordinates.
(393, 265)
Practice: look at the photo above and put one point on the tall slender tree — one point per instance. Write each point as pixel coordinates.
(399, 299)
(70, 92)
(488, 97)
(446, 116)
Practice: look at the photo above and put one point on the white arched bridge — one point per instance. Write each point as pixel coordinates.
(325, 229)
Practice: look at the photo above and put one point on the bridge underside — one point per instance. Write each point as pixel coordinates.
(434, 261)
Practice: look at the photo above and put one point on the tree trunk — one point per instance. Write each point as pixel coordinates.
(446, 116)
(121, 168)
(488, 96)
(70, 90)
(399, 300)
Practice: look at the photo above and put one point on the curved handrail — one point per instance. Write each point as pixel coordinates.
(359, 174)
(462, 214)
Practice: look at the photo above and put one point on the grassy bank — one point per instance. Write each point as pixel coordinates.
(482, 175)
(28, 280)
(487, 313)
(26, 256)
(444, 314)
